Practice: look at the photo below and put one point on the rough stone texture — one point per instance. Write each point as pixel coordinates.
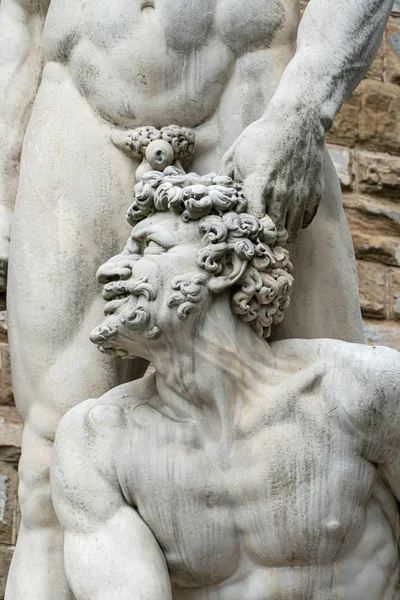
(392, 55)
(394, 282)
(10, 450)
(6, 553)
(373, 283)
(377, 174)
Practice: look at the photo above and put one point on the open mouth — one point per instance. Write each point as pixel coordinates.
(116, 293)
(113, 305)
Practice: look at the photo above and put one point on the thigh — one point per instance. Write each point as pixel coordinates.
(74, 190)
(325, 301)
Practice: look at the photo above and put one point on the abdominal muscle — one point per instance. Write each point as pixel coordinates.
(140, 63)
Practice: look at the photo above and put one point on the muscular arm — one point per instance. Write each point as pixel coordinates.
(371, 404)
(21, 24)
(280, 157)
(337, 41)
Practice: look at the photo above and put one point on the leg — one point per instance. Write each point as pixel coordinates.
(73, 194)
(110, 553)
(324, 302)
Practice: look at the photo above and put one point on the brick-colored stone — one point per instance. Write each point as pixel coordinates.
(394, 287)
(6, 395)
(375, 228)
(377, 173)
(392, 45)
(10, 433)
(376, 70)
(3, 326)
(379, 118)
(8, 503)
(5, 561)
(382, 334)
(373, 288)
(342, 158)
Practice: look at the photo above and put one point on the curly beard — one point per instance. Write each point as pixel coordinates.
(129, 311)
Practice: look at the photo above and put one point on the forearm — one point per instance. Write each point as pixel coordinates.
(337, 41)
(20, 70)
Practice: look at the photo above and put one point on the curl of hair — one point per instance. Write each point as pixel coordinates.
(262, 293)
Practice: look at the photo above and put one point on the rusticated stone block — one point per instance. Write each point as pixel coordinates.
(5, 561)
(341, 158)
(379, 119)
(377, 173)
(382, 334)
(392, 44)
(10, 435)
(373, 288)
(8, 504)
(6, 395)
(375, 228)
(394, 287)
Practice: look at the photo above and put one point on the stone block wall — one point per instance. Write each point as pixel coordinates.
(365, 148)
(364, 144)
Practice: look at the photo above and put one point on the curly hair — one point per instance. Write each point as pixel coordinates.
(262, 293)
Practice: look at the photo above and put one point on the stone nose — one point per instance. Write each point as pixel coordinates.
(114, 270)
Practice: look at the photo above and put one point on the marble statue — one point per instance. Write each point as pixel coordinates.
(241, 469)
(78, 80)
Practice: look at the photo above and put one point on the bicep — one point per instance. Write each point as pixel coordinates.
(121, 559)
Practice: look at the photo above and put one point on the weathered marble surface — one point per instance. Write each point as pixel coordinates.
(260, 95)
(240, 469)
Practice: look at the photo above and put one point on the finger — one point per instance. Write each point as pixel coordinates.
(294, 220)
(277, 211)
(257, 194)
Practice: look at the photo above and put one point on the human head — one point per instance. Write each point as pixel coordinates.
(231, 251)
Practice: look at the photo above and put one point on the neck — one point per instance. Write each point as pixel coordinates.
(210, 374)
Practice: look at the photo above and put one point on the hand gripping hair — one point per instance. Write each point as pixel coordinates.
(262, 292)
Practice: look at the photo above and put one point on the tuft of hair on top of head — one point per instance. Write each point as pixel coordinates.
(262, 293)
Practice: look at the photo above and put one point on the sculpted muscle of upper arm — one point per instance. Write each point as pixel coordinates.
(373, 410)
(280, 157)
(21, 24)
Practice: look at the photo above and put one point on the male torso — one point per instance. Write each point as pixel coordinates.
(159, 62)
(287, 506)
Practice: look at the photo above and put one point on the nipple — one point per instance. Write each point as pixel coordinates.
(334, 527)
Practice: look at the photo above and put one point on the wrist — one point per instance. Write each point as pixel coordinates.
(307, 91)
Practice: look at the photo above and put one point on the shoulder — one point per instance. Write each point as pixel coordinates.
(91, 421)
(365, 381)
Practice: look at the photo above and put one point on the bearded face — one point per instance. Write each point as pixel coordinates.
(153, 285)
(172, 268)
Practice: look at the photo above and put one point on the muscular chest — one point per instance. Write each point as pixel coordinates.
(182, 25)
(290, 490)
